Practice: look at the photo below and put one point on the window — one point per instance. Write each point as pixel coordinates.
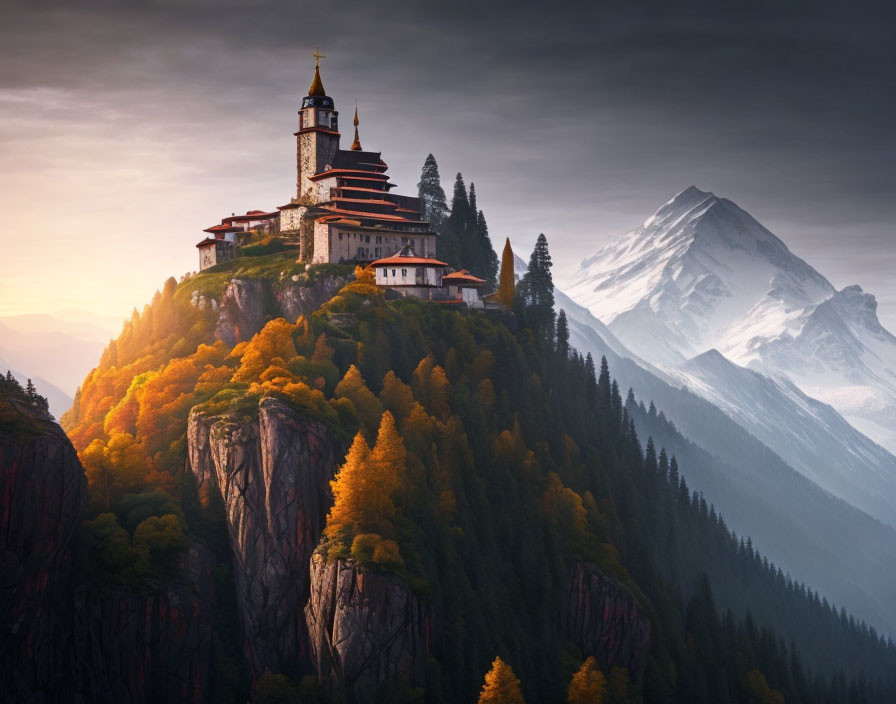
(393, 273)
(367, 239)
(404, 273)
(379, 239)
(340, 235)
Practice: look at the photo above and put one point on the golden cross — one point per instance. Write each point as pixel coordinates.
(317, 57)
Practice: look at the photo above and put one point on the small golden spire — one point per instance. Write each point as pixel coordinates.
(317, 86)
(356, 145)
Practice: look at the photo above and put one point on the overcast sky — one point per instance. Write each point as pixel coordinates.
(128, 127)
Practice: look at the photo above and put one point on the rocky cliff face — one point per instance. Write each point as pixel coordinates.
(42, 495)
(148, 645)
(272, 472)
(604, 620)
(366, 629)
(247, 304)
(67, 642)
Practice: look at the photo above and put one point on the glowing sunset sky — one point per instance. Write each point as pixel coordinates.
(125, 129)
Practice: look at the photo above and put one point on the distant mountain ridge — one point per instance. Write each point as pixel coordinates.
(702, 273)
(760, 492)
(58, 400)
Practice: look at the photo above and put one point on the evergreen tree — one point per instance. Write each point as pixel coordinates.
(455, 234)
(501, 685)
(507, 281)
(537, 289)
(488, 263)
(562, 335)
(433, 205)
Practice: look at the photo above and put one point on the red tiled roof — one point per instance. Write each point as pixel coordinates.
(251, 215)
(316, 128)
(361, 188)
(396, 259)
(369, 216)
(374, 201)
(222, 228)
(462, 276)
(209, 241)
(348, 173)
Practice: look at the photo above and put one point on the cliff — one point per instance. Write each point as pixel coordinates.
(366, 629)
(248, 303)
(42, 495)
(272, 471)
(604, 620)
(61, 641)
(152, 644)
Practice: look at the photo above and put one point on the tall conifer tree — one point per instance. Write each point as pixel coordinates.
(562, 335)
(489, 258)
(507, 281)
(432, 196)
(537, 289)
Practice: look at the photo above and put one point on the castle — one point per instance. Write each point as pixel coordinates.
(343, 210)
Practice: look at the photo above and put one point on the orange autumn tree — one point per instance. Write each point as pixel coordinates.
(506, 282)
(588, 684)
(273, 342)
(501, 685)
(365, 490)
(367, 406)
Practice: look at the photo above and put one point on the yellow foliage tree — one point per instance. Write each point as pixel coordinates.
(388, 461)
(506, 284)
(396, 396)
(365, 489)
(365, 275)
(760, 688)
(367, 405)
(273, 340)
(432, 387)
(588, 684)
(501, 685)
(348, 490)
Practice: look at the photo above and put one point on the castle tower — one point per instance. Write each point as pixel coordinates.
(317, 140)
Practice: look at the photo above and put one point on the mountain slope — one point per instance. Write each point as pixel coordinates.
(61, 351)
(810, 435)
(800, 526)
(703, 274)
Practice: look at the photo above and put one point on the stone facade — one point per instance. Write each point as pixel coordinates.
(314, 150)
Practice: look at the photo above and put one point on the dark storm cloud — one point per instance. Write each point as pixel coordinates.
(576, 119)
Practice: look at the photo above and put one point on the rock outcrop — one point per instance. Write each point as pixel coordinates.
(42, 495)
(272, 472)
(247, 304)
(98, 643)
(604, 620)
(367, 630)
(146, 645)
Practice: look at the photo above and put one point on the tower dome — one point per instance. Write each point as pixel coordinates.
(317, 97)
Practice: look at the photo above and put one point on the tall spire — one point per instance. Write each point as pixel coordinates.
(356, 145)
(317, 85)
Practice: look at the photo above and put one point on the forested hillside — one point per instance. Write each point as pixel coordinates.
(482, 463)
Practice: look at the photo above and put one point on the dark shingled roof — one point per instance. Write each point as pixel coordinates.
(360, 160)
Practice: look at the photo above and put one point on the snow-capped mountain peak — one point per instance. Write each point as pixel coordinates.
(702, 273)
(699, 264)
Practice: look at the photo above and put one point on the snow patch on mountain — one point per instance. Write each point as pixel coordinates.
(703, 274)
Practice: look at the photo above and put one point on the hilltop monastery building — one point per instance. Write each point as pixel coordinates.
(343, 210)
